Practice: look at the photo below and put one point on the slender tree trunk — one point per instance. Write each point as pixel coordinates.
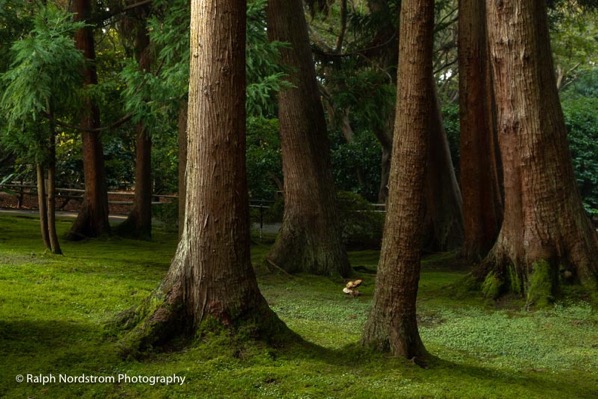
(42, 204)
(92, 220)
(443, 219)
(482, 204)
(139, 221)
(310, 237)
(182, 128)
(211, 278)
(392, 324)
(51, 188)
(546, 238)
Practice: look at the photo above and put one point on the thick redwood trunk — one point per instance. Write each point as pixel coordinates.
(482, 203)
(211, 278)
(310, 237)
(92, 220)
(546, 237)
(139, 221)
(392, 324)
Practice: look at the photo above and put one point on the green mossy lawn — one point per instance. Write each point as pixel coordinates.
(54, 313)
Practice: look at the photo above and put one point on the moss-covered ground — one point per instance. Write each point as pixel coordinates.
(54, 311)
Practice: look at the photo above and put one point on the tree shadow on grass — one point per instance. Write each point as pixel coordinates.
(456, 377)
(47, 345)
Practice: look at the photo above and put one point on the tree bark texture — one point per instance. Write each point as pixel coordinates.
(139, 221)
(546, 237)
(392, 324)
(482, 202)
(211, 277)
(310, 238)
(92, 220)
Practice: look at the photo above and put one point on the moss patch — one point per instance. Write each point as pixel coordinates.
(492, 287)
(541, 286)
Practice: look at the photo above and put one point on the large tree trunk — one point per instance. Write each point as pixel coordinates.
(392, 324)
(211, 278)
(443, 218)
(482, 203)
(546, 237)
(310, 237)
(92, 220)
(139, 221)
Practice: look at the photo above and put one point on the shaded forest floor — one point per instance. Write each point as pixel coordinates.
(53, 313)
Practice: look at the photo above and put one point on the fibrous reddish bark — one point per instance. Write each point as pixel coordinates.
(310, 237)
(92, 220)
(546, 237)
(392, 323)
(211, 277)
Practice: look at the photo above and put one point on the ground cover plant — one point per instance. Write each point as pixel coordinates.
(55, 314)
